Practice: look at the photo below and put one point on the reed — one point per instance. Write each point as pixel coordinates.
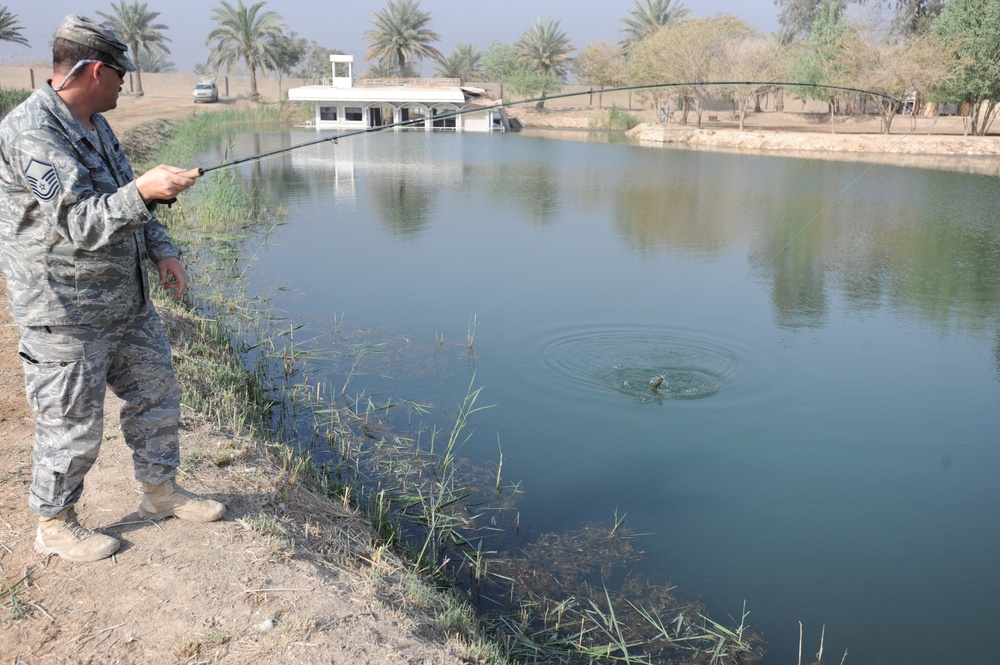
(470, 337)
(17, 608)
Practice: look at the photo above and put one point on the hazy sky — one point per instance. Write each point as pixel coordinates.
(341, 25)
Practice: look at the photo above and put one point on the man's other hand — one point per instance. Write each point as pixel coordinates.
(172, 275)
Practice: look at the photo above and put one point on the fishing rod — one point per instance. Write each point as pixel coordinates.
(199, 171)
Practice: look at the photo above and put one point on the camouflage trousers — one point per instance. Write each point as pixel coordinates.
(66, 373)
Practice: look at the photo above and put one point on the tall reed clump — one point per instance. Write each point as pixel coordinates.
(235, 360)
(616, 119)
(190, 138)
(11, 97)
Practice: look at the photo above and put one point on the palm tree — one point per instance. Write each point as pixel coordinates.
(245, 34)
(462, 63)
(401, 35)
(545, 48)
(133, 24)
(154, 62)
(10, 27)
(382, 69)
(647, 16)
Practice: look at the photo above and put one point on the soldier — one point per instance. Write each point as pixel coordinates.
(76, 231)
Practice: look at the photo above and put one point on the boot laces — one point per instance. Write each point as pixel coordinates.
(180, 491)
(77, 530)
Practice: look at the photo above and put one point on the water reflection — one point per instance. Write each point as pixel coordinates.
(922, 240)
(403, 206)
(532, 187)
(677, 209)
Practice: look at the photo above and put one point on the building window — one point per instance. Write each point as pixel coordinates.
(327, 112)
(447, 122)
(353, 114)
(413, 115)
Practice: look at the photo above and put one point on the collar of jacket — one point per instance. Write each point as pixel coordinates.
(75, 132)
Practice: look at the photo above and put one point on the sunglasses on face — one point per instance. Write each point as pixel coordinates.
(121, 72)
(82, 63)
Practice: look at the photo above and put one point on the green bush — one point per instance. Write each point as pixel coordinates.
(11, 97)
(617, 119)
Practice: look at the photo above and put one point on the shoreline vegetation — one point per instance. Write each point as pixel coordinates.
(423, 502)
(310, 561)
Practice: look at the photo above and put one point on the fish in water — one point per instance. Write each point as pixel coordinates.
(657, 382)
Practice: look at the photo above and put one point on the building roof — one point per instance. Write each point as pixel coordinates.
(391, 95)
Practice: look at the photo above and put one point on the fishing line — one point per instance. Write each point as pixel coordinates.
(839, 194)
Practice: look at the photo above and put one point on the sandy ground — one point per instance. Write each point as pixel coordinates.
(231, 591)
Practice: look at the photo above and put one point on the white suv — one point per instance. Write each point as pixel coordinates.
(205, 91)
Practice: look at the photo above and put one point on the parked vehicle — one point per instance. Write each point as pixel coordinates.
(205, 91)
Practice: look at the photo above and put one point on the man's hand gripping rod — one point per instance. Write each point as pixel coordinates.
(194, 174)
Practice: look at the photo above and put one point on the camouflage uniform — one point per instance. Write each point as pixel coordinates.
(75, 239)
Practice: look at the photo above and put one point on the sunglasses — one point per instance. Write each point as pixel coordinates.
(121, 72)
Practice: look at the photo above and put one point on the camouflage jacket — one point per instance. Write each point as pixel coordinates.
(75, 235)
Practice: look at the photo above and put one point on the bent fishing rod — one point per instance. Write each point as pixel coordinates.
(199, 171)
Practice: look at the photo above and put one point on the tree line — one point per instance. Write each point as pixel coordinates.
(910, 52)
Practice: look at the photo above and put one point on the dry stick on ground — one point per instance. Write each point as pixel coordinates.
(269, 590)
(85, 638)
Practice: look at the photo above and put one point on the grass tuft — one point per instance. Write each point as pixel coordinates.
(10, 597)
(616, 119)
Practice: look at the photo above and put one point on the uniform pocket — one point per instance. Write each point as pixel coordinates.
(58, 379)
(95, 289)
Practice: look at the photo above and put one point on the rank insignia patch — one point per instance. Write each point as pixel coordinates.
(42, 179)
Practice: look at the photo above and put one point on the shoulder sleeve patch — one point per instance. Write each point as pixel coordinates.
(42, 179)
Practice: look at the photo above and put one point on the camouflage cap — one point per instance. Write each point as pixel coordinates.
(88, 32)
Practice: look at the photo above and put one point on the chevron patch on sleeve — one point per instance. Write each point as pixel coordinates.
(42, 179)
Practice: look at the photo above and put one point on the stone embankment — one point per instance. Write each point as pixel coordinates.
(974, 154)
(900, 143)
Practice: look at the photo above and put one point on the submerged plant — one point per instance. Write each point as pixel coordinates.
(471, 336)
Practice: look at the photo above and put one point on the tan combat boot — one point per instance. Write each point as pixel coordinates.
(64, 536)
(169, 499)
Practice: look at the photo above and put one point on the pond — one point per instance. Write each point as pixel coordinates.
(825, 440)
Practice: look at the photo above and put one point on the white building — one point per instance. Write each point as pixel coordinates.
(433, 103)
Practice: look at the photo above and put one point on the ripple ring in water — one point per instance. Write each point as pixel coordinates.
(630, 361)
